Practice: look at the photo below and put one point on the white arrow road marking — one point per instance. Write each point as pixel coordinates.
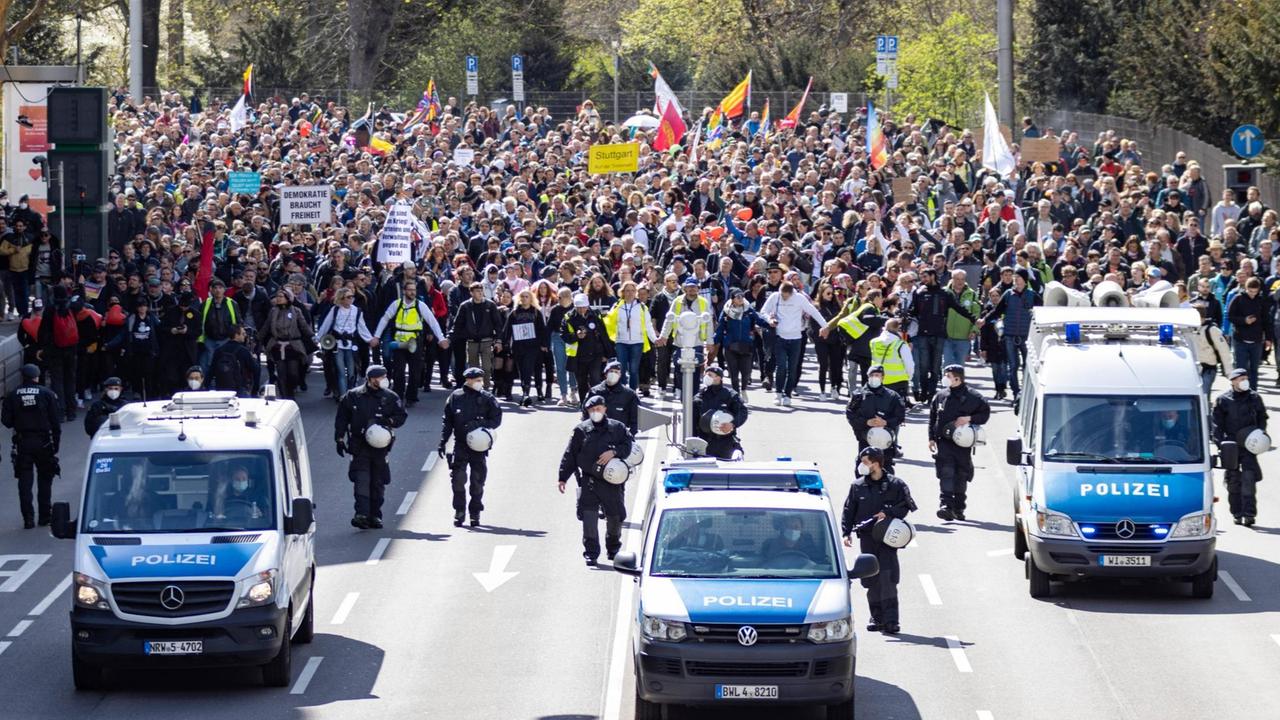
(1234, 586)
(344, 609)
(957, 654)
(52, 597)
(29, 565)
(408, 502)
(497, 574)
(308, 672)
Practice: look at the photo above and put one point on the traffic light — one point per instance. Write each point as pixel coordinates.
(78, 116)
(1239, 178)
(78, 166)
(84, 177)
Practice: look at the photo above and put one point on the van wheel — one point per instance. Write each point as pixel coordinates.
(841, 711)
(86, 676)
(1019, 540)
(279, 672)
(646, 710)
(307, 630)
(1202, 585)
(1037, 579)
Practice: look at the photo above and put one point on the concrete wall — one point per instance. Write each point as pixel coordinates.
(1158, 146)
(10, 363)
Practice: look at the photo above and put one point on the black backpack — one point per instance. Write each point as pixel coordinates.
(226, 372)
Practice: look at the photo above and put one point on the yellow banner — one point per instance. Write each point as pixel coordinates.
(623, 157)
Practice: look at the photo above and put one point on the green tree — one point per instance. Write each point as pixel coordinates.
(1242, 68)
(1067, 63)
(943, 71)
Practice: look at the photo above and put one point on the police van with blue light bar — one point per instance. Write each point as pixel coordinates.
(743, 590)
(1112, 455)
(195, 540)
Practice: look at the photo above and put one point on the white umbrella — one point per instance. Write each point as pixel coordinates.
(641, 121)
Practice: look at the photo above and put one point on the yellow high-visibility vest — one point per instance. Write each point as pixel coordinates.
(852, 323)
(408, 323)
(889, 354)
(611, 322)
(701, 306)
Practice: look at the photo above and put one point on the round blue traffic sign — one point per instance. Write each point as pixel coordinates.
(1247, 141)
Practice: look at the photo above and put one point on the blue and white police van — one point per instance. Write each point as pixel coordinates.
(744, 593)
(195, 544)
(1112, 457)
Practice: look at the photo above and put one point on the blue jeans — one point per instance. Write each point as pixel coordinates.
(1208, 373)
(787, 354)
(1248, 355)
(1015, 354)
(206, 355)
(928, 357)
(564, 378)
(954, 351)
(629, 355)
(344, 364)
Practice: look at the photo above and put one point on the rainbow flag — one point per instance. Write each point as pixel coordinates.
(877, 148)
(432, 96)
(793, 118)
(737, 98)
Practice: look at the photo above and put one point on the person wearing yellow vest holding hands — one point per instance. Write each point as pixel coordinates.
(861, 321)
(892, 353)
(631, 329)
(218, 319)
(404, 320)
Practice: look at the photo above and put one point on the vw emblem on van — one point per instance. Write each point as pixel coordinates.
(747, 636)
(171, 597)
(1125, 529)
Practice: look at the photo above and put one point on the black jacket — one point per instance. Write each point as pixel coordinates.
(867, 497)
(101, 409)
(930, 308)
(364, 406)
(622, 404)
(1234, 411)
(952, 403)
(466, 410)
(878, 402)
(711, 398)
(595, 345)
(37, 423)
(477, 321)
(1242, 307)
(588, 442)
(242, 369)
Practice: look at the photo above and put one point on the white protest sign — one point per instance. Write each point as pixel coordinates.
(305, 204)
(839, 102)
(394, 241)
(463, 156)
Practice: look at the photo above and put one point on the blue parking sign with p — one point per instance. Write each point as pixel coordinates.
(473, 63)
(517, 63)
(882, 43)
(891, 43)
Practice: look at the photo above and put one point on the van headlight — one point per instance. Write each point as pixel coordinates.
(830, 632)
(1052, 523)
(91, 593)
(658, 629)
(1195, 525)
(258, 590)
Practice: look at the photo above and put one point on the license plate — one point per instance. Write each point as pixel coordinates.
(173, 647)
(746, 692)
(1125, 561)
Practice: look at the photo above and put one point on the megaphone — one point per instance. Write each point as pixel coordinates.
(1058, 295)
(1108, 293)
(1159, 295)
(328, 342)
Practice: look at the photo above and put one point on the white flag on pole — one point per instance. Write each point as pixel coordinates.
(239, 115)
(663, 95)
(996, 154)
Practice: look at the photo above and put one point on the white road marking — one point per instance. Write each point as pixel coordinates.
(1234, 586)
(344, 609)
(20, 628)
(957, 654)
(308, 672)
(986, 715)
(1276, 638)
(407, 503)
(497, 574)
(430, 462)
(930, 589)
(378, 550)
(51, 597)
(29, 564)
(4, 646)
(999, 553)
(621, 644)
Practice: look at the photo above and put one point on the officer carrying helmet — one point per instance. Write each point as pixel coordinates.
(111, 400)
(955, 408)
(366, 416)
(719, 412)
(621, 402)
(876, 500)
(33, 412)
(471, 414)
(875, 413)
(595, 454)
(1237, 413)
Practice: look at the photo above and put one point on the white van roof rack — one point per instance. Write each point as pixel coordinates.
(1133, 326)
(200, 404)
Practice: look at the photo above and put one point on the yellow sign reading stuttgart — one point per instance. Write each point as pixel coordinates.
(623, 157)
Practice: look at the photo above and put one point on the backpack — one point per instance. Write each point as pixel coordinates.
(66, 333)
(226, 372)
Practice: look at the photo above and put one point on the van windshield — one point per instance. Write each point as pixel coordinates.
(1123, 429)
(175, 492)
(744, 543)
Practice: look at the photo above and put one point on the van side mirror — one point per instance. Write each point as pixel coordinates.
(1229, 455)
(864, 566)
(625, 563)
(60, 523)
(300, 518)
(1013, 451)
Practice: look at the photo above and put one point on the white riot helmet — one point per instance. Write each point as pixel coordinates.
(480, 439)
(377, 436)
(894, 532)
(615, 471)
(1256, 441)
(719, 419)
(979, 435)
(636, 457)
(964, 435)
(879, 438)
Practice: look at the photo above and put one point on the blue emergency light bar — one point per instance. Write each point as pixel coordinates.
(1071, 333)
(806, 480)
(1166, 334)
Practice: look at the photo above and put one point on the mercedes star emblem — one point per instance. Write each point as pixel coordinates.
(747, 636)
(171, 597)
(1125, 529)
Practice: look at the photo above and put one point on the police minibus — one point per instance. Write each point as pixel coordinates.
(744, 594)
(1113, 468)
(195, 544)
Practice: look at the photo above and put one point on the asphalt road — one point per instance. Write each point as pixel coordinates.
(406, 629)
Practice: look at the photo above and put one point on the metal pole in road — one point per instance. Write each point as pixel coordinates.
(617, 64)
(1004, 60)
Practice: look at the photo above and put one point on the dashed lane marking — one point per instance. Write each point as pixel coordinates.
(957, 654)
(344, 609)
(308, 672)
(930, 590)
(1234, 586)
(20, 628)
(378, 550)
(407, 503)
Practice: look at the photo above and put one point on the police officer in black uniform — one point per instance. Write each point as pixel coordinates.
(1236, 410)
(469, 407)
(880, 495)
(34, 414)
(622, 403)
(712, 397)
(874, 405)
(112, 399)
(370, 404)
(595, 442)
(954, 406)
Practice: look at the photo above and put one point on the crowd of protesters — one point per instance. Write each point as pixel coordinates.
(537, 271)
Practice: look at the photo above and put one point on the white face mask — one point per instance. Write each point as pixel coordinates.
(194, 384)
(1169, 423)
(384, 383)
(613, 377)
(22, 205)
(476, 385)
(874, 381)
(863, 469)
(597, 415)
(113, 394)
(240, 485)
(792, 535)
(1242, 386)
(710, 379)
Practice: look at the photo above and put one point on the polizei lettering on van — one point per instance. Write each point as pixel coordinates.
(764, 601)
(1125, 488)
(174, 559)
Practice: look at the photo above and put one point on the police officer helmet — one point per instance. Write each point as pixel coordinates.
(377, 436)
(714, 420)
(636, 456)
(31, 371)
(1254, 439)
(894, 532)
(112, 381)
(962, 435)
(375, 371)
(594, 401)
(878, 437)
(615, 472)
(472, 373)
(480, 439)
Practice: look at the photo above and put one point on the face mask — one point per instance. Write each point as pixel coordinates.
(709, 379)
(384, 383)
(113, 394)
(1242, 386)
(874, 381)
(613, 378)
(194, 384)
(863, 469)
(22, 205)
(792, 535)
(476, 385)
(597, 415)
(1168, 423)
(240, 485)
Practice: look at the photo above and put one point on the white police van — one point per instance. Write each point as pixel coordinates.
(1113, 464)
(195, 544)
(744, 593)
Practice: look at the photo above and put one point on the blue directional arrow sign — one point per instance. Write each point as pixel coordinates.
(1247, 141)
